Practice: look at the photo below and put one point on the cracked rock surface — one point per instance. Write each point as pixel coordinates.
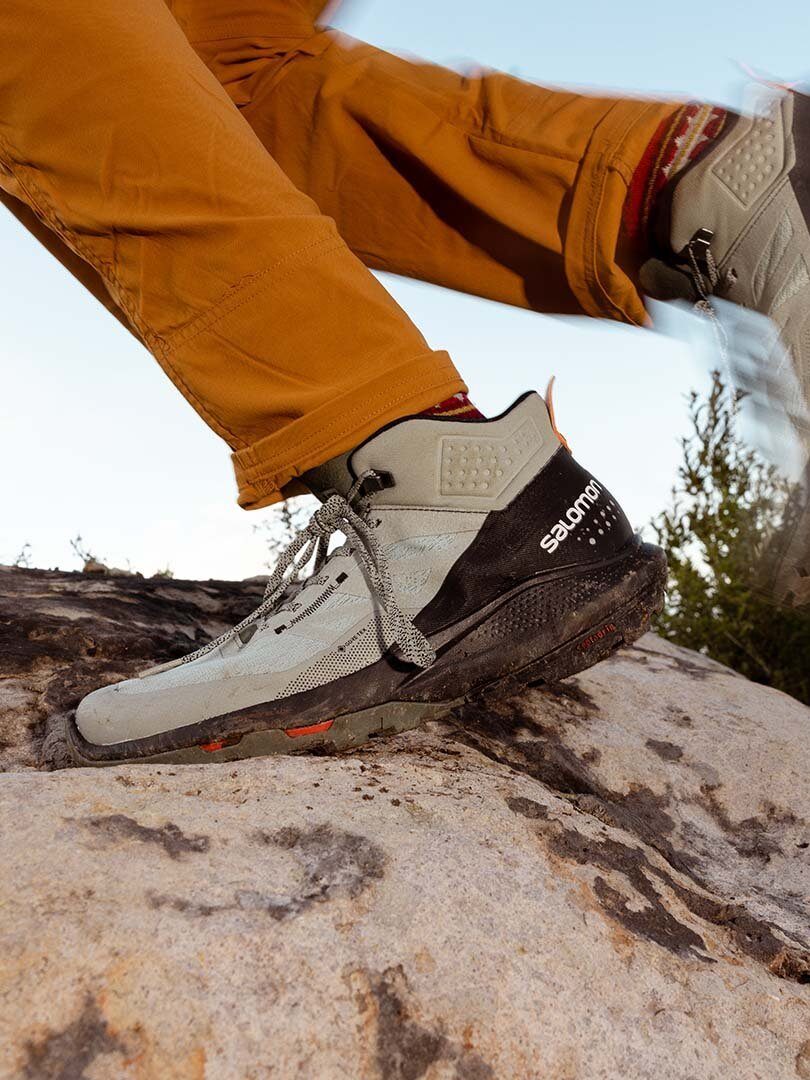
(608, 878)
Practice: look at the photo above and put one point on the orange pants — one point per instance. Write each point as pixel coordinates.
(217, 172)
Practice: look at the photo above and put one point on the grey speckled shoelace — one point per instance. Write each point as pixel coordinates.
(337, 514)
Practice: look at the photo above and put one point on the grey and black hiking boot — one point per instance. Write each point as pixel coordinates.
(735, 224)
(479, 557)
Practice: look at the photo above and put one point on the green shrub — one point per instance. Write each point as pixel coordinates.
(727, 511)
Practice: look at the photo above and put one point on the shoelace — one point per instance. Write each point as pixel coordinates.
(705, 281)
(337, 514)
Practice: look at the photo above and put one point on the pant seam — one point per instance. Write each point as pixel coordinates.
(236, 32)
(243, 291)
(41, 203)
(592, 269)
(515, 121)
(600, 162)
(493, 134)
(512, 142)
(592, 240)
(604, 166)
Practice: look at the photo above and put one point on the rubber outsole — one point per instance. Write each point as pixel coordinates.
(616, 616)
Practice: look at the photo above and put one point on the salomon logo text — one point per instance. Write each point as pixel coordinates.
(572, 517)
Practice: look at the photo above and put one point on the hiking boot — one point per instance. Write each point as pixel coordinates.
(479, 557)
(735, 224)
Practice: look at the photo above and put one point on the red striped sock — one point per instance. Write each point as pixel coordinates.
(679, 139)
(458, 406)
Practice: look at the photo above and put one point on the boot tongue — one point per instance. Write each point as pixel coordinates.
(335, 477)
(332, 476)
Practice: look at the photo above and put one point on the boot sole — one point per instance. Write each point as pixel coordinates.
(504, 650)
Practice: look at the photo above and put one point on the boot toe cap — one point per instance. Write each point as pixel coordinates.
(103, 717)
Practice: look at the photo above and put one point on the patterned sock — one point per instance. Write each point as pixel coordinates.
(458, 406)
(679, 139)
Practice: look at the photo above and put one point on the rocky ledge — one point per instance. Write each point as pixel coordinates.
(604, 878)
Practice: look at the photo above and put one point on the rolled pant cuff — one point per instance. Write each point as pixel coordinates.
(613, 154)
(267, 471)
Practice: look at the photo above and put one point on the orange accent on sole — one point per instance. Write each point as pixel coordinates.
(312, 729)
(217, 744)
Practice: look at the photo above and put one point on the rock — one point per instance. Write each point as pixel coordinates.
(61, 635)
(93, 566)
(604, 878)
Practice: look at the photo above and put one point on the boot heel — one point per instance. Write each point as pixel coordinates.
(625, 620)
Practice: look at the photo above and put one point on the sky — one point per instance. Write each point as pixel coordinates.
(95, 441)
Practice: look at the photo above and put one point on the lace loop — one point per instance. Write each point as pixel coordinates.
(705, 279)
(337, 514)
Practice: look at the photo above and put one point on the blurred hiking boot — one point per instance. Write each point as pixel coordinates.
(735, 224)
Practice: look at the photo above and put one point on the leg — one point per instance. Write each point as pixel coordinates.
(486, 184)
(463, 536)
(122, 145)
(500, 188)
